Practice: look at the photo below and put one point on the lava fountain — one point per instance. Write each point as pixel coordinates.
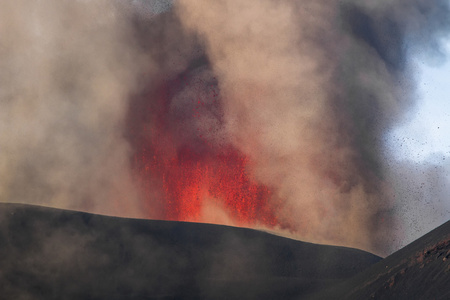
(176, 156)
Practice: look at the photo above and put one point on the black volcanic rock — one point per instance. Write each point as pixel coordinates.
(56, 254)
(421, 270)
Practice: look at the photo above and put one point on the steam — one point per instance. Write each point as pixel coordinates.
(67, 69)
(308, 90)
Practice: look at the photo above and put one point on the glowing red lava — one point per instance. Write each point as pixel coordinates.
(187, 175)
(188, 180)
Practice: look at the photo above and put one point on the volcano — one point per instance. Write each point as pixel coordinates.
(273, 117)
(59, 254)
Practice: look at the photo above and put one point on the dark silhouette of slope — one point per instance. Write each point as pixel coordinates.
(421, 270)
(56, 254)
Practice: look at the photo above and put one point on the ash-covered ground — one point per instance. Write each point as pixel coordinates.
(58, 254)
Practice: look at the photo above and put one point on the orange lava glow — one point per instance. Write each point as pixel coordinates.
(187, 176)
(187, 180)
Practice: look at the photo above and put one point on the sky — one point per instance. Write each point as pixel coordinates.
(425, 134)
(422, 141)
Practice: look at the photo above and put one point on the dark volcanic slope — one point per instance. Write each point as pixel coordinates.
(56, 254)
(420, 270)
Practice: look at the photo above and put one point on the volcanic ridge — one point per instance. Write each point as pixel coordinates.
(48, 253)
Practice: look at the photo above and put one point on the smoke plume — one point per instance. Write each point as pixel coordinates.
(269, 114)
(310, 89)
(67, 68)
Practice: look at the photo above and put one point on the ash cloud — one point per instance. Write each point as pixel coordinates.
(67, 69)
(309, 89)
(306, 89)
